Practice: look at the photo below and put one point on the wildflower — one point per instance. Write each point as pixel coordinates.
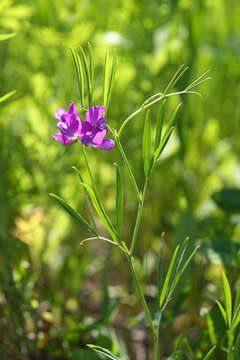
(70, 124)
(94, 129)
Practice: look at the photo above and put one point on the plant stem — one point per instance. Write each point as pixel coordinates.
(230, 345)
(139, 216)
(154, 331)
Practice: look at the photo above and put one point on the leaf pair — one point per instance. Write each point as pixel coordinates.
(231, 318)
(175, 271)
(84, 73)
(150, 155)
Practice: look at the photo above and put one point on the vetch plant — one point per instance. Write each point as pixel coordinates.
(93, 131)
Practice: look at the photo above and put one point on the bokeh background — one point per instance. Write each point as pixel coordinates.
(55, 295)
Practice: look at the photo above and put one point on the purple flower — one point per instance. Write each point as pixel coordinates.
(94, 129)
(70, 125)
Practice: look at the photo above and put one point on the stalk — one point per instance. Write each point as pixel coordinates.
(230, 345)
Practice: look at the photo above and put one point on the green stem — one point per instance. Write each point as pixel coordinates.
(230, 345)
(139, 216)
(154, 331)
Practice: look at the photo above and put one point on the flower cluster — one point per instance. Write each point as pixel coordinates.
(91, 131)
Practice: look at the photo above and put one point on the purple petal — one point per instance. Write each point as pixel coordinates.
(107, 144)
(73, 124)
(72, 109)
(63, 139)
(86, 140)
(94, 114)
(59, 113)
(98, 138)
(86, 128)
(101, 124)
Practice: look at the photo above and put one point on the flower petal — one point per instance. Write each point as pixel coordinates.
(94, 114)
(86, 128)
(72, 109)
(107, 144)
(73, 124)
(59, 113)
(63, 139)
(98, 138)
(86, 139)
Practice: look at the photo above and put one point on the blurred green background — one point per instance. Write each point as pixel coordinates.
(53, 292)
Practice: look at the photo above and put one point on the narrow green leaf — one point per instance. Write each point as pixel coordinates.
(173, 119)
(227, 298)
(147, 144)
(91, 67)
(111, 78)
(237, 300)
(101, 212)
(87, 75)
(162, 145)
(87, 199)
(7, 96)
(119, 199)
(236, 318)
(180, 273)
(166, 282)
(160, 121)
(182, 251)
(102, 351)
(105, 81)
(160, 267)
(223, 312)
(209, 354)
(6, 36)
(80, 79)
(73, 213)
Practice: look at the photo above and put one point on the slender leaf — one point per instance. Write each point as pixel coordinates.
(7, 96)
(166, 282)
(119, 199)
(223, 312)
(180, 273)
(227, 298)
(237, 300)
(162, 145)
(160, 267)
(111, 78)
(209, 354)
(87, 199)
(79, 75)
(236, 317)
(172, 120)
(87, 75)
(101, 212)
(105, 81)
(6, 36)
(91, 67)
(73, 213)
(160, 121)
(102, 351)
(147, 144)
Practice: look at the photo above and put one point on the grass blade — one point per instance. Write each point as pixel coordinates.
(102, 351)
(7, 96)
(209, 354)
(111, 78)
(80, 80)
(119, 199)
(73, 213)
(227, 298)
(6, 36)
(91, 67)
(166, 282)
(147, 145)
(83, 60)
